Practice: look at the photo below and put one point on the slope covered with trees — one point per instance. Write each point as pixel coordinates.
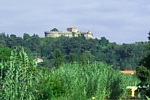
(79, 49)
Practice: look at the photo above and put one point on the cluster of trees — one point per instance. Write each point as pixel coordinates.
(55, 51)
(143, 73)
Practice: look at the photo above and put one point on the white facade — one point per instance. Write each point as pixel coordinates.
(71, 32)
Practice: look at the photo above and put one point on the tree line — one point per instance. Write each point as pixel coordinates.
(55, 51)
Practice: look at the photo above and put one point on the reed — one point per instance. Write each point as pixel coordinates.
(95, 80)
(19, 77)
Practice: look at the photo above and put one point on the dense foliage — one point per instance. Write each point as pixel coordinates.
(18, 76)
(84, 68)
(143, 73)
(23, 80)
(95, 80)
(85, 51)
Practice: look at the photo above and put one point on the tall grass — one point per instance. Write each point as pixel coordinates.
(96, 80)
(20, 79)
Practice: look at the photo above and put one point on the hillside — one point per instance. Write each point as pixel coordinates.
(123, 57)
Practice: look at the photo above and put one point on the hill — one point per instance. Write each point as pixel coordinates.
(79, 49)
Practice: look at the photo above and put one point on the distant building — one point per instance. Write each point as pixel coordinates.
(132, 91)
(39, 60)
(130, 72)
(71, 32)
(72, 29)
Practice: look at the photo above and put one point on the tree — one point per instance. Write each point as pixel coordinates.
(89, 56)
(2, 40)
(83, 59)
(3, 43)
(73, 58)
(55, 29)
(146, 62)
(73, 34)
(58, 57)
(26, 36)
(103, 41)
(143, 73)
(5, 54)
(32, 42)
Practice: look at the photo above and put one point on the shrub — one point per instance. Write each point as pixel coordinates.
(49, 86)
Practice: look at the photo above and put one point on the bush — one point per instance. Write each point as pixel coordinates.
(49, 86)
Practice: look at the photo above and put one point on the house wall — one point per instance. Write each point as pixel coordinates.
(72, 29)
(52, 34)
(68, 33)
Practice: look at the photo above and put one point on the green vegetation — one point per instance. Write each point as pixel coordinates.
(119, 56)
(73, 33)
(5, 54)
(58, 57)
(95, 80)
(55, 30)
(143, 73)
(73, 68)
(18, 77)
(23, 80)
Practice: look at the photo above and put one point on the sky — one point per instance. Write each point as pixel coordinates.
(120, 21)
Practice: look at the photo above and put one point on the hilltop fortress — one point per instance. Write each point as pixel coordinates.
(70, 32)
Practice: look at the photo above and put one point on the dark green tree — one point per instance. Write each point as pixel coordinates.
(83, 59)
(73, 58)
(90, 57)
(54, 29)
(73, 34)
(26, 36)
(2, 40)
(5, 54)
(103, 41)
(143, 73)
(58, 58)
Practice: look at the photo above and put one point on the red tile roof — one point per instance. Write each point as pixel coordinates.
(130, 72)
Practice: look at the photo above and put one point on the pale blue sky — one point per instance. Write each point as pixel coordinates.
(120, 21)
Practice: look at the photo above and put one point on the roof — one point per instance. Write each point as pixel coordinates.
(130, 72)
(38, 60)
(132, 87)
